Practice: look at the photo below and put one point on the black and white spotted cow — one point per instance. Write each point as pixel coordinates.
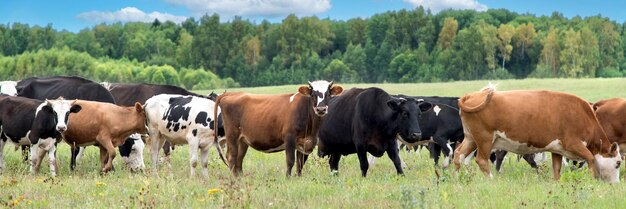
(8, 88)
(25, 121)
(181, 120)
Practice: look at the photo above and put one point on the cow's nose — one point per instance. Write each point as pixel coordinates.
(321, 110)
(61, 128)
(416, 135)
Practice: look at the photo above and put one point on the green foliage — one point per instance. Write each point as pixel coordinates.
(339, 72)
(69, 62)
(461, 45)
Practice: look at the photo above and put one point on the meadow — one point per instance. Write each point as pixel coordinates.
(264, 184)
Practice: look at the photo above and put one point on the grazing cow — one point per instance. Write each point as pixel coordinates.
(8, 88)
(272, 123)
(105, 125)
(442, 126)
(34, 122)
(368, 120)
(536, 121)
(610, 113)
(182, 120)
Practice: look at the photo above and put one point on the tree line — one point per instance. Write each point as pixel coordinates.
(397, 46)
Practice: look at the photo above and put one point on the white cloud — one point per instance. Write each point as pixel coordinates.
(252, 8)
(438, 5)
(129, 14)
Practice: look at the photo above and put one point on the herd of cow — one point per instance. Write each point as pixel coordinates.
(38, 113)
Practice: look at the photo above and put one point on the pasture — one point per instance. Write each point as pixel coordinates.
(264, 185)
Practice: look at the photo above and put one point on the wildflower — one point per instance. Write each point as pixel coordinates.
(214, 191)
(100, 184)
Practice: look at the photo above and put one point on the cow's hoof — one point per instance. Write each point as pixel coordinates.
(334, 173)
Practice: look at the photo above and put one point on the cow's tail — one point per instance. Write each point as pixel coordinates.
(489, 90)
(215, 128)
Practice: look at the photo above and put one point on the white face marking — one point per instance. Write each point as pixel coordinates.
(135, 159)
(436, 109)
(60, 107)
(321, 87)
(8, 88)
(607, 167)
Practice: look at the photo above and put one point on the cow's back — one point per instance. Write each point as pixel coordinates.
(532, 117)
(128, 94)
(69, 87)
(17, 115)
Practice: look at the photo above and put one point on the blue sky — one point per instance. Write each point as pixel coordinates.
(74, 15)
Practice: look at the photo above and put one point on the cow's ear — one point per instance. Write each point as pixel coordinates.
(336, 90)
(424, 106)
(614, 148)
(138, 107)
(47, 102)
(75, 108)
(394, 104)
(305, 90)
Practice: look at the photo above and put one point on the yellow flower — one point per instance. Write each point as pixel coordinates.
(101, 194)
(40, 180)
(100, 184)
(214, 191)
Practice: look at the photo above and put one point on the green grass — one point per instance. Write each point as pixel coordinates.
(265, 186)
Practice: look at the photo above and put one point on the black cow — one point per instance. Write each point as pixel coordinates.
(368, 120)
(442, 126)
(68, 87)
(34, 122)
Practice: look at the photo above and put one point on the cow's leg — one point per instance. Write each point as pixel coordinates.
(156, 142)
(36, 155)
(25, 149)
(204, 159)
(52, 159)
(500, 154)
(434, 150)
(445, 148)
(110, 149)
(467, 146)
(392, 152)
(193, 144)
(361, 151)
(167, 151)
(232, 141)
(333, 162)
(2, 142)
(290, 151)
(530, 159)
(556, 165)
(484, 152)
(241, 153)
(301, 158)
(103, 157)
(74, 150)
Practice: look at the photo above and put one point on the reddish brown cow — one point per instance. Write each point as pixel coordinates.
(527, 122)
(272, 123)
(105, 125)
(611, 114)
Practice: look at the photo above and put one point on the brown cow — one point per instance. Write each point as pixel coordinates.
(106, 125)
(527, 122)
(272, 123)
(610, 113)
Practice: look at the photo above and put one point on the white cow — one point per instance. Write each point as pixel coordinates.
(181, 120)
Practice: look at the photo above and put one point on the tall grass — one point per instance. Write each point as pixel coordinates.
(264, 185)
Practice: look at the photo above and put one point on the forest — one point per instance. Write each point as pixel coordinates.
(405, 46)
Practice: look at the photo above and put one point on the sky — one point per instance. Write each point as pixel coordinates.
(74, 15)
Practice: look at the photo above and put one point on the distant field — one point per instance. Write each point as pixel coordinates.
(265, 186)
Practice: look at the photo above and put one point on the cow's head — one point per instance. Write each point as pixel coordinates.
(61, 109)
(608, 164)
(139, 112)
(320, 92)
(407, 112)
(8, 88)
(132, 152)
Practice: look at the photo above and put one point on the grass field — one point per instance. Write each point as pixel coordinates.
(265, 186)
